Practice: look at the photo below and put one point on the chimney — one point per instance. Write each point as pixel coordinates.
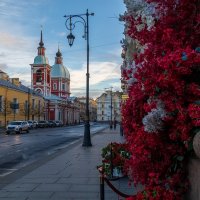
(16, 81)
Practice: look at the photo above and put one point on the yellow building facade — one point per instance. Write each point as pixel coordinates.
(18, 102)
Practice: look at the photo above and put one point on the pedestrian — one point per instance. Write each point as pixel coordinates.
(121, 129)
(110, 124)
(115, 124)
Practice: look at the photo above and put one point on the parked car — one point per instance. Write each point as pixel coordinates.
(36, 124)
(58, 123)
(17, 127)
(32, 124)
(43, 124)
(52, 123)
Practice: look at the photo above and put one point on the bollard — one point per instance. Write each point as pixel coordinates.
(121, 130)
(102, 186)
(111, 160)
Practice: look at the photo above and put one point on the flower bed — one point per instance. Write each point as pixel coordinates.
(114, 156)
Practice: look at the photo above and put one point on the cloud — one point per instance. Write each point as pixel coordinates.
(11, 41)
(102, 75)
(99, 72)
(2, 54)
(3, 67)
(18, 47)
(61, 34)
(8, 9)
(17, 51)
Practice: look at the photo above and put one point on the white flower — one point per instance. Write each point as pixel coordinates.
(153, 121)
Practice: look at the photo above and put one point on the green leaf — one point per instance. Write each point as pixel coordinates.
(180, 158)
(197, 102)
(196, 130)
(154, 193)
(157, 89)
(190, 145)
(175, 166)
(165, 72)
(145, 193)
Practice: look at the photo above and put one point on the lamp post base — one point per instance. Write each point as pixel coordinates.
(86, 139)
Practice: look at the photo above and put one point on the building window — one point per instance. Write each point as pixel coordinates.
(1, 103)
(15, 105)
(33, 104)
(39, 105)
(54, 86)
(59, 115)
(39, 75)
(102, 112)
(63, 86)
(26, 106)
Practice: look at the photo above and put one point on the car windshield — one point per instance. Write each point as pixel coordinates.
(15, 123)
(30, 122)
(41, 121)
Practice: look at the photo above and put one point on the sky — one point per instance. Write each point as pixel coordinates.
(21, 23)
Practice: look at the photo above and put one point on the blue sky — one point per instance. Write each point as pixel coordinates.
(21, 21)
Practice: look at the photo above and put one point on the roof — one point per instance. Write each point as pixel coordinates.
(40, 59)
(72, 99)
(59, 70)
(2, 71)
(21, 88)
(53, 97)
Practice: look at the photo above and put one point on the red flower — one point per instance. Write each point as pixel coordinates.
(168, 71)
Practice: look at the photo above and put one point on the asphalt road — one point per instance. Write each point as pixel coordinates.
(19, 150)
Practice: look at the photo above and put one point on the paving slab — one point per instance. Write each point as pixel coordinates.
(70, 174)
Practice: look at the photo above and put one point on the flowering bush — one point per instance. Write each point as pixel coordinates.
(162, 113)
(114, 156)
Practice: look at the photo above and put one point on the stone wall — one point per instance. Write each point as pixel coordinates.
(194, 171)
(194, 178)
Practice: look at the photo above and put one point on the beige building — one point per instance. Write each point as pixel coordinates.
(109, 106)
(18, 102)
(92, 109)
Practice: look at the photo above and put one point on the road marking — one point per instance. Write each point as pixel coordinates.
(5, 172)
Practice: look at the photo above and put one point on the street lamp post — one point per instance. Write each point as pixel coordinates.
(111, 123)
(28, 113)
(70, 26)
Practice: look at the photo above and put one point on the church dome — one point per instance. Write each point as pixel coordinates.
(59, 70)
(40, 59)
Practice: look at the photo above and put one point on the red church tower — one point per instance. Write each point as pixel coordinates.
(41, 71)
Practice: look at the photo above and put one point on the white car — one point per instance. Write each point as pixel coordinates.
(17, 127)
(32, 124)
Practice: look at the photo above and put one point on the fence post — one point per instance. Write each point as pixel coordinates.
(111, 160)
(102, 186)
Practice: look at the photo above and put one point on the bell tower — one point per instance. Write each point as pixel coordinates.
(41, 71)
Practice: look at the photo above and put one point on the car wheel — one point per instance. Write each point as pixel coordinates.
(27, 130)
(20, 131)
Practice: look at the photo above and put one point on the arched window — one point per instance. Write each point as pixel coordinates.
(63, 86)
(38, 90)
(54, 86)
(39, 75)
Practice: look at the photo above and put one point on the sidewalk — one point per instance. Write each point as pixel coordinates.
(68, 175)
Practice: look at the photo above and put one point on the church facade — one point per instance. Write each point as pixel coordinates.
(53, 82)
